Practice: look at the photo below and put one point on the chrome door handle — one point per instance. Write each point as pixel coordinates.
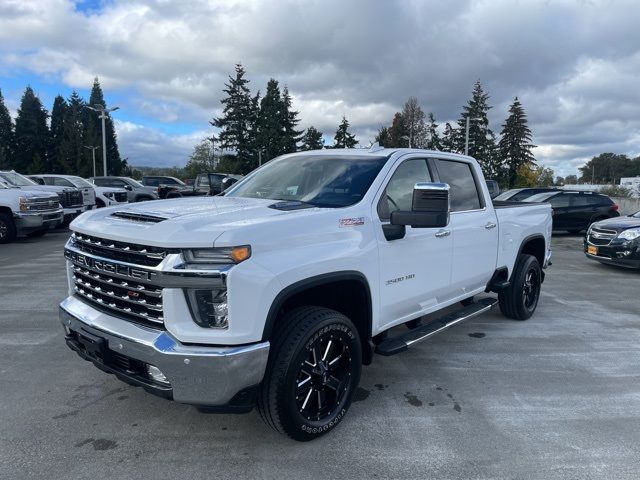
(490, 225)
(443, 233)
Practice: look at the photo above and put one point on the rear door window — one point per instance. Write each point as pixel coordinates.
(463, 188)
(561, 200)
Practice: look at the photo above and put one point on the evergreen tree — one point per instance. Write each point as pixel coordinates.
(482, 141)
(58, 112)
(383, 137)
(312, 139)
(93, 131)
(32, 135)
(449, 139)
(290, 121)
(413, 121)
(433, 139)
(270, 131)
(71, 153)
(344, 138)
(7, 137)
(238, 120)
(515, 142)
(398, 135)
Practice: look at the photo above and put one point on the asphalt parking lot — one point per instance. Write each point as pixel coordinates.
(557, 396)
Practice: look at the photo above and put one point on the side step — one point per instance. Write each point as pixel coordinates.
(402, 342)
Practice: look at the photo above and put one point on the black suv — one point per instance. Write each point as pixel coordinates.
(575, 211)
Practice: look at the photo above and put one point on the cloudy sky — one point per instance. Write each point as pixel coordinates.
(575, 65)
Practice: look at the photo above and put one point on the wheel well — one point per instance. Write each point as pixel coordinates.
(534, 246)
(347, 293)
(100, 203)
(6, 210)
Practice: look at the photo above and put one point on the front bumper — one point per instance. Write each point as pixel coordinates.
(623, 254)
(35, 220)
(202, 375)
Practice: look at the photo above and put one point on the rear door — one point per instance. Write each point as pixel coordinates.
(473, 226)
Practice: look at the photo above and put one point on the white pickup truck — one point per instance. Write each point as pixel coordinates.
(277, 292)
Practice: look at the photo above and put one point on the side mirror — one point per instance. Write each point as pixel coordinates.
(128, 187)
(429, 209)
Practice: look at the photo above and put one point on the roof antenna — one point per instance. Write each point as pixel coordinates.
(375, 148)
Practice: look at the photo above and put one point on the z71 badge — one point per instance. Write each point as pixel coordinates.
(351, 222)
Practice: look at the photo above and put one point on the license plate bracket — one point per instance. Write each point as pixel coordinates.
(93, 345)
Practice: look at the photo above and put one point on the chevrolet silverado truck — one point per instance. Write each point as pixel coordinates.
(26, 212)
(277, 292)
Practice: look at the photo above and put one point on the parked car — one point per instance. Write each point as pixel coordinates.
(108, 196)
(71, 198)
(26, 212)
(170, 187)
(156, 180)
(204, 184)
(277, 292)
(615, 241)
(136, 192)
(520, 194)
(575, 211)
(88, 193)
(494, 188)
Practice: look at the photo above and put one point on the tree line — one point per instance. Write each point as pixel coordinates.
(39, 142)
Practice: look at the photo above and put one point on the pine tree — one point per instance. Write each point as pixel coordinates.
(413, 120)
(93, 131)
(398, 135)
(344, 138)
(58, 112)
(271, 135)
(449, 139)
(7, 136)
(32, 135)
(290, 121)
(433, 138)
(482, 141)
(71, 153)
(515, 142)
(312, 139)
(383, 137)
(238, 120)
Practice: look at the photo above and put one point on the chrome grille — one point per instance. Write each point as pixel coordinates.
(43, 204)
(71, 198)
(126, 252)
(600, 236)
(120, 196)
(140, 301)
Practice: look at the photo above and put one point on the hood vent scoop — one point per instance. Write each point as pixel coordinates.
(138, 217)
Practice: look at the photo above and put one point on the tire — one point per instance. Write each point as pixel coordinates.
(520, 299)
(143, 198)
(7, 229)
(99, 203)
(38, 233)
(301, 336)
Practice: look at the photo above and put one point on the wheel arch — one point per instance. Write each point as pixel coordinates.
(347, 292)
(535, 245)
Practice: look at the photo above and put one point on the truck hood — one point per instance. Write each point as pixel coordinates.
(183, 222)
(47, 188)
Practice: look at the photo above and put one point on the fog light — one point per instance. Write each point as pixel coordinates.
(156, 374)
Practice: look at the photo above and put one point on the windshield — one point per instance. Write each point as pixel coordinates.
(635, 215)
(320, 180)
(541, 197)
(507, 195)
(133, 182)
(79, 182)
(14, 178)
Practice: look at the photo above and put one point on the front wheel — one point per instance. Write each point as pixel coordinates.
(7, 229)
(313, 370)
(520, 299)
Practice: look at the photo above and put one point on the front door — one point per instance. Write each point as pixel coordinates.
(415, 270)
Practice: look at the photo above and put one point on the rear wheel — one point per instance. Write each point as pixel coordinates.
(7, 229)
(313, 370)
(520, 299)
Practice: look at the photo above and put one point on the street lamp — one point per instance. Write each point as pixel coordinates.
(103, 111)
(93, 151)
(466, 136)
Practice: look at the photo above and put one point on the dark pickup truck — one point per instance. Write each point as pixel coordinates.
(205, 184)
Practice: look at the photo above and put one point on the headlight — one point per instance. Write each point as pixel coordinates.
(209, 307)
(630, 234)
(201, 257)
(24, 205)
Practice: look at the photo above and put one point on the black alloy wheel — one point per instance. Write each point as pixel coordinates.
(520, 299)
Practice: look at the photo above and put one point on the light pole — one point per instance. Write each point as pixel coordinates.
(93, 151)
(466, 136)
(103, 111)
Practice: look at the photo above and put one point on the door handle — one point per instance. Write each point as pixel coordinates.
(443, 233)
(490, 225)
